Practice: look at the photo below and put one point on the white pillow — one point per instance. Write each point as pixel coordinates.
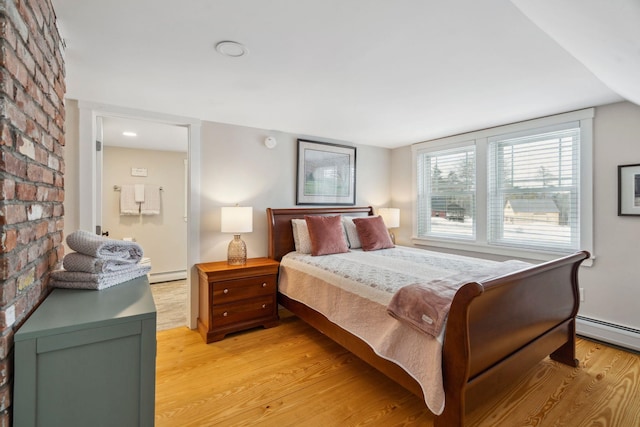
(352, 232)
(301, 237)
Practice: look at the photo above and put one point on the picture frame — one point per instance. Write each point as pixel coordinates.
(326, 174)
(629, 190)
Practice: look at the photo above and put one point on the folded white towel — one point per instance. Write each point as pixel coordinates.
(82, 280)
(128, 205)
(151, 204)
(76, 261)
(102, 247)
(138, 191)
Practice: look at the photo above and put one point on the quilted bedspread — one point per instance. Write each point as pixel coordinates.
(353, 290)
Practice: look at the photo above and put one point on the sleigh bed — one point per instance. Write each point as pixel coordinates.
(496, 329)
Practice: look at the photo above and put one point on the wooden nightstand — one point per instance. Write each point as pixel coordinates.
(233, 298)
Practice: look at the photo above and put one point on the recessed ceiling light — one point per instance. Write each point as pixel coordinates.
(232, 49)
(128, 133)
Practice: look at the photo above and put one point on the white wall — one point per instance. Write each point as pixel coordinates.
(612, 284)
(163, 236)
(237, 168)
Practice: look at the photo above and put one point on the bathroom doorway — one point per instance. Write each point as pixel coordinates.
(152, 157)
(89, 133)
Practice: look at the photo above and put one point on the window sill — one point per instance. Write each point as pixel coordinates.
(524, 254)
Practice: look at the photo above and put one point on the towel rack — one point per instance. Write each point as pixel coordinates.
(118, 188)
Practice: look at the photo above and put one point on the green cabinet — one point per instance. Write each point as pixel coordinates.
(87, 358)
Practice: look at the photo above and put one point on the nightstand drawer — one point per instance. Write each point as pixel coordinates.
(243, 311)
(235, 290)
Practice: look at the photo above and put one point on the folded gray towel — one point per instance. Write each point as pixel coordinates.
(101, 247)
(94, 281)
(76, 261)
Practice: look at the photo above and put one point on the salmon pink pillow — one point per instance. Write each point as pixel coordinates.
(327, 235)
(373, 233)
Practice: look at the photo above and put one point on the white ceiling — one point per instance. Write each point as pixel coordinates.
(373, 72)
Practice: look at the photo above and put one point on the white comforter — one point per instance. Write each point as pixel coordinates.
(353, 290)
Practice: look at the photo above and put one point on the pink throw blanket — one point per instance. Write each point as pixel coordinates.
(425, 306)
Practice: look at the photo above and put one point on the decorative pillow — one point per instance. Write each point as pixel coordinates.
(352, 233)
(373, 233)
(301, 237)
(327, 235)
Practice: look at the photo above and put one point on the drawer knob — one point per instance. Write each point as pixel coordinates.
(225, 314)
(264, 285)
(226, 291)
(264, 305)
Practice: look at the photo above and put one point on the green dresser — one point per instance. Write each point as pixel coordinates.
(87, 358)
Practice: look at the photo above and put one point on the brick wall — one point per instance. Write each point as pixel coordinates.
(32, 92)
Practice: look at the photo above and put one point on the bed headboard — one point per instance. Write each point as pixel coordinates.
(279, 228)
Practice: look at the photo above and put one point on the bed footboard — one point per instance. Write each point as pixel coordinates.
(499, 329)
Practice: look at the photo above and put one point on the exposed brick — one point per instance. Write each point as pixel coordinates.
(42, 229)
(32, 90)
(6, 342)
(26, 191)
(5, 397)
(26, 235)
(5, 268)
(8, 189)
(9, 240)
(42, 267)
(26, 279)
(8, 291)
(12, 165)
(5, 419)
(6, 135)
(34, 172)
(5, 368)
(13, 214)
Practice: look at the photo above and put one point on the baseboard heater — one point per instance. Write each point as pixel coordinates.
(619, 335)
(167, 276)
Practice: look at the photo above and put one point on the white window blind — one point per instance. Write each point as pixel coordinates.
(534, 189)
(446, 192)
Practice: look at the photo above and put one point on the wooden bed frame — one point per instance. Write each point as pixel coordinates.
(496, 331)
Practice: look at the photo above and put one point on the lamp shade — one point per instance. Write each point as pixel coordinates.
(236, 219)
(390, 216)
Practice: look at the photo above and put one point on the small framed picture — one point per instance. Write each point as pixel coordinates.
(326, 174)
(629, 190)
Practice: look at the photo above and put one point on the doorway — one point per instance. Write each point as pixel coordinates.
(92, 117)
(153, 157)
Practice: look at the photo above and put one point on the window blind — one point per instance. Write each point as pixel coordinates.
(446, 193)
(533, 189)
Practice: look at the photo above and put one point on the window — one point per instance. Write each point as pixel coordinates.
(523, 189)
(447, 192)
(533, 196)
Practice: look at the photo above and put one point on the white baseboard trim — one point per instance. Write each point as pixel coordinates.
(608, 332)
(167, 276)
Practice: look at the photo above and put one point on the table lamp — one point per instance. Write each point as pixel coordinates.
(391, 218)
(236, 220)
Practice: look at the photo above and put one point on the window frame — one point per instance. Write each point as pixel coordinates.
(481, 139)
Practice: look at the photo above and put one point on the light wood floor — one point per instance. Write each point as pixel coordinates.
(171, 304)
(291, 375)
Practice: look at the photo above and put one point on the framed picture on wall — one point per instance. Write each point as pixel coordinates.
(326, 174)
(629, 190)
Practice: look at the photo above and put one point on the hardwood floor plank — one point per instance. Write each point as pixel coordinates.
(293, 375)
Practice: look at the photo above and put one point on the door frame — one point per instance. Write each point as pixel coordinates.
(88, 192)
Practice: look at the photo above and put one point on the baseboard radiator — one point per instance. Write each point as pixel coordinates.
(622, 336)
(167, 276)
